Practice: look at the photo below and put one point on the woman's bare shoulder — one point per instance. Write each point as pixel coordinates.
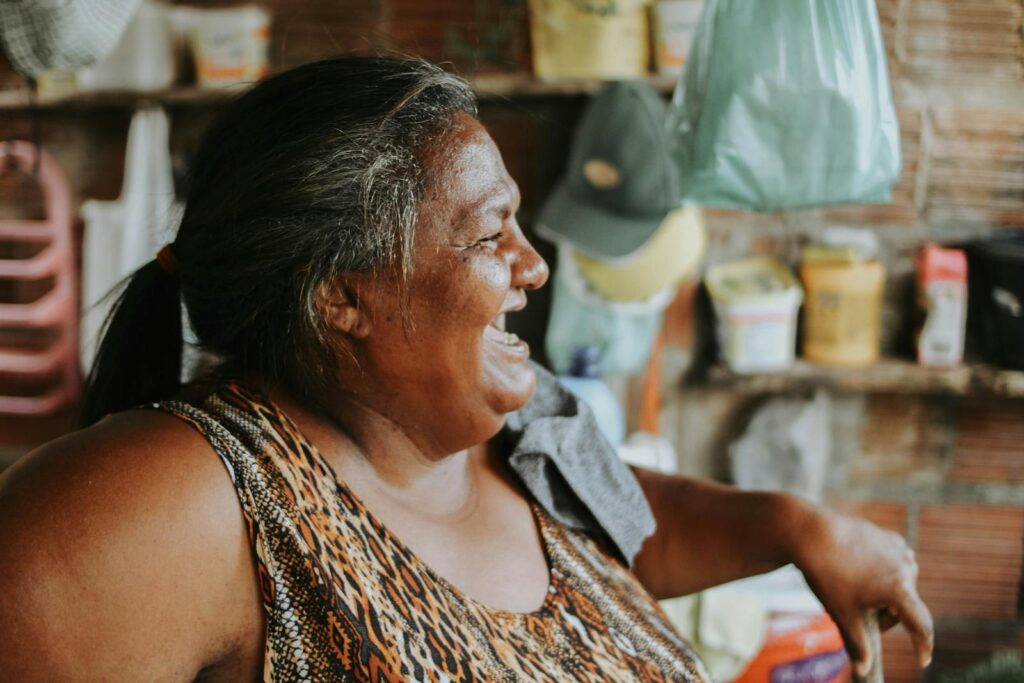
(126, 532)
(138, 461)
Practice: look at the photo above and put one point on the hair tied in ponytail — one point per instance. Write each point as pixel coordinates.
(167, 259)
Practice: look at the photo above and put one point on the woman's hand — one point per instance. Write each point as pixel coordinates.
(854, 566)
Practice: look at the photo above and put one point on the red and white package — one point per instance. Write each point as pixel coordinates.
(942, 298)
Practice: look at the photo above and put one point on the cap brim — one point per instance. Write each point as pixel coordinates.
(595, 232)
(672, 254)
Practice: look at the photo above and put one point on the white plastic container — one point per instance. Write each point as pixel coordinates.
(756, 301)
(942, 299)
(144, 58)
(584, 380)
(675, 24)
(229, 45)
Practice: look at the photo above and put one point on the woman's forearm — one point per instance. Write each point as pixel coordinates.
(709, 533)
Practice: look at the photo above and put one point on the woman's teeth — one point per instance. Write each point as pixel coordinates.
(501, 336)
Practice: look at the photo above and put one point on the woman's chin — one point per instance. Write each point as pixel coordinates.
(510, 386)
(490, 411)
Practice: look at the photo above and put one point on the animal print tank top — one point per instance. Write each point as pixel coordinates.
(346, 600)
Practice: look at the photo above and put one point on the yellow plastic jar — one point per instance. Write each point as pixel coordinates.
(843, 312)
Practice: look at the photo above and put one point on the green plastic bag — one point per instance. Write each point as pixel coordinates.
(786, 104)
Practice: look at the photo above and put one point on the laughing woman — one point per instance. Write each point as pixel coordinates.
(335, 501)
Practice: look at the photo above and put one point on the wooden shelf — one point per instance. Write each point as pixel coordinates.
(18, 100)
(526, 85)
(891, 376)
(487, 86)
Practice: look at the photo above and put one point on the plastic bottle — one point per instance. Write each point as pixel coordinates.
(584, 380)
(942, 301)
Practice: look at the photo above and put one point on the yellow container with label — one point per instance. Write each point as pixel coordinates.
(602, 39)
(842, 311)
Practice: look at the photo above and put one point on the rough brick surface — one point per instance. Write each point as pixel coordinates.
(888, 515)
(962, 39)
(989, 442)
(482, 36)
(970, 559)
(976, 165)
(903, 438)
(888, 18)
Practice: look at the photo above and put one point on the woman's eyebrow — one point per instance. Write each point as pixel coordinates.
(494, 197)
(498, 195)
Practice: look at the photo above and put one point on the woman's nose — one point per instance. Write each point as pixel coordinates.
(530, 269)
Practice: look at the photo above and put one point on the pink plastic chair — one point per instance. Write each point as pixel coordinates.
(56, 310)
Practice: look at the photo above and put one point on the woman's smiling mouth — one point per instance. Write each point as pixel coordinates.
(495, 331)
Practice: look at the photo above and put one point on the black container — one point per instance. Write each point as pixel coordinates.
(997, 297)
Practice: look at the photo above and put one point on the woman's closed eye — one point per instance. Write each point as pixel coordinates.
(490, 240)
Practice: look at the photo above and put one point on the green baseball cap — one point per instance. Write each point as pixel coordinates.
(621, 182)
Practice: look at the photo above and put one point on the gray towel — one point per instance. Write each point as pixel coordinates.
(559, 453)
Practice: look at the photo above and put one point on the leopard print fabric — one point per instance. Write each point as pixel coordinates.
(346, 600)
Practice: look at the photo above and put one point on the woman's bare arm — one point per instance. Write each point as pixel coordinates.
(124, 557)
(709, 534)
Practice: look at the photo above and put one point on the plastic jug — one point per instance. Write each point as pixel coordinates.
(584, 380)
(843, 311)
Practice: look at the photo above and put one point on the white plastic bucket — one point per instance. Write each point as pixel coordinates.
(676, 22)
(229, 45)
(756, 327)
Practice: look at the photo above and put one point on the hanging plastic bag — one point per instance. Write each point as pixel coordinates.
(786, 104)
(786, 447)
(122, 235)
(623, 331)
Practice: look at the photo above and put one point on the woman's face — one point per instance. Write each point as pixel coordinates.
(453, 372)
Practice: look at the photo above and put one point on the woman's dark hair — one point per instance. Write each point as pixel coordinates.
(312, 173)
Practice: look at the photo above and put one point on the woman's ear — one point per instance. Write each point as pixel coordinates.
(340, 305)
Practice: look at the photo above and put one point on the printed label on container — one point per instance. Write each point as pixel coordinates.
(826, 667)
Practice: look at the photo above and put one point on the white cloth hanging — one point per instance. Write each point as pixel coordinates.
(122, 235)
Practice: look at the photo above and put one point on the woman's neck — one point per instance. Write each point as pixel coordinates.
(374, 455)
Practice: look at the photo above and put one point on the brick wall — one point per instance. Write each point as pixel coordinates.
(946, 474)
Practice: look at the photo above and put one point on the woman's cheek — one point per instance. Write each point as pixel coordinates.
(498, 276)
(483, 289)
